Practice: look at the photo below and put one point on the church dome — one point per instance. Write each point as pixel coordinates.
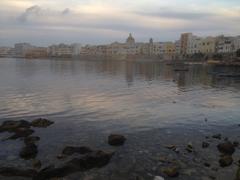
(130, 39)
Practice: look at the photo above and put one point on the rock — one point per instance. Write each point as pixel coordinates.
(11, 126)
(41, 123)
(11, 171)
(205, 144)
(29, 151)
(116, 140)
(207, 164)
(226, 148)
(37, 164)
(170, 147)
(238, 174)
(171, 171)
(31, 139)
(158, 178)
(69, 150)
(96, 159)
(235, 143)
(226, 161)
(189, 147)
(21, 132)
(61, 156)
(217, 136)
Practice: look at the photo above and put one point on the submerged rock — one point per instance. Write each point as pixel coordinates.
(29, 151)
(11, 171)
(96, 159)
(116, 140)
(171, 171)
(226, 161)
(12, 126)
(189, 147)
(205, 145)
(31, 139)
(217, 136)
(226, 148)
(41, 123)
(37, 164)
(21, 132)
(69, 150)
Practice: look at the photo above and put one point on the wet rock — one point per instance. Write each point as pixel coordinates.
(69, 150)
(36, 164)
(226, 161)
(205, 145)
(21, 132)
(41, 123)
(96, 159)
(189, 147)
(11, 171)
(61, 156)
(217, 136)
(31, 139)
(116, 140)
(12, 126)
(226, 148)
(238, 174)
(29, 151)
(171, 171)
(158, 178)
(207, 164)
(235, 143)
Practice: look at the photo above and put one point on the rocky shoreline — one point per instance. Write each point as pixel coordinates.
(82, 158)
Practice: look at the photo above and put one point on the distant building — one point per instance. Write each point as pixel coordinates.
(21, 49)
(184, 40)
(5, 51)
(60, 50)
(208, 45)
(36, 52)
(236, 43)
(224, 44)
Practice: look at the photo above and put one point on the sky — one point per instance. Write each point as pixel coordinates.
(45, 22)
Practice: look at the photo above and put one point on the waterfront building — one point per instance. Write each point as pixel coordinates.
(208, 45)
(36, 52)
(5, 51)
(184, 40)
(21, 49)
(236, 43)
(224, 44)
(194, 45)
(169, 50)
(61, 50)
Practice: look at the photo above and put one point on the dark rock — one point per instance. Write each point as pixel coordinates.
(207, 164)
(12, 126)
(41, 123)
(69, 150)
(205, 144)
(21, 132)
(96, 159)
(37, 164)
(226, 161)
(171, 171)
(29, 151)
(10, 171)
(217, 136)
(116, 140)
(189, 148)
(31, 139)
(235, 143)
(226, 148)
(238, 174)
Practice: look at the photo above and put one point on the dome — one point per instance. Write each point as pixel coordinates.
(130, 39)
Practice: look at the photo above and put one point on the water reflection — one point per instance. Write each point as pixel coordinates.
(126, 91)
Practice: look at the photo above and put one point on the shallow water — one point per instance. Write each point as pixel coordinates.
(146, 101)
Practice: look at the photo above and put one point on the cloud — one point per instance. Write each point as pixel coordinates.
(31, 11)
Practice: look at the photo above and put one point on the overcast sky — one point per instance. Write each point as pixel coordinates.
(43, 22)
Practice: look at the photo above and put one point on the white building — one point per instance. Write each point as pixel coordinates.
(61, 50)
(5, 51)
(194, 44)
(224, 44)
(236, 43)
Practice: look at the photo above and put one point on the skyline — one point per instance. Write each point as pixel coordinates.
(40, 22)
